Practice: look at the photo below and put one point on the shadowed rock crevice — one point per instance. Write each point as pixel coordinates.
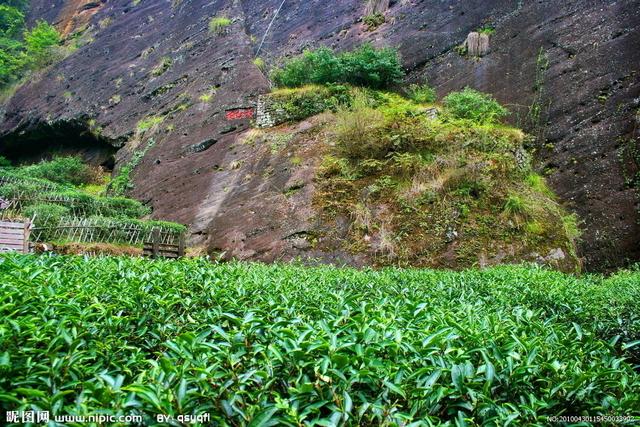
(46, 140)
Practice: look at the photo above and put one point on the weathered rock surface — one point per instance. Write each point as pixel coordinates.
(567, 69)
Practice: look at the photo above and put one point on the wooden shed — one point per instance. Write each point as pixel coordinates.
(14, 236)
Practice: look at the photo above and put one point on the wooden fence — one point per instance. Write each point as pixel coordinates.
(79, 207)
(156, 249)
(43, 186)
(93, 230)
(14, 236)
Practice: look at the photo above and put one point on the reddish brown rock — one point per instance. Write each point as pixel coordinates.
(159, 59)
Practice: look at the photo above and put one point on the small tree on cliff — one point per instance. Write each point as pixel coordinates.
(39, 42)
(365, 66)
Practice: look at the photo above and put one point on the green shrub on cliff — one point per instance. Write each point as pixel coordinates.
(473, 105)
(218, 24)
(442, 191)
(39, 40)
(365, 66)
(423, 94)
(300, 103)
(373, 21)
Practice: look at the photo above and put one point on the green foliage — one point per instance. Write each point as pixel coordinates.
(60, 208)
(515, 205)
(78, 202)
(4, 162)
(149, 123)
(63, 170)
(487, 29)
(11, 21)
(365, 66)
(21, 51)
(162, 67)
(537, 183)
(12, 59)
(300, 103)
(422, 94)
(571, 226)
(219, 24)
(254, 344)
(373, 21)
(46, 214)
(121, 223)
(39, 41)
(441, 178)
(101, 229)
(121, 182)
(473, 105)
(358, 131)
(259, 63)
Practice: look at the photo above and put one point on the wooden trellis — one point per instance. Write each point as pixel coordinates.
(5, 179)
(79, 207)
(156, 249)
(91, 230)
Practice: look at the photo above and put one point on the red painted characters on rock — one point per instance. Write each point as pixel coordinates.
(240, 113)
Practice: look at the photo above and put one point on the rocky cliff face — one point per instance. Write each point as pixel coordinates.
(155, 80)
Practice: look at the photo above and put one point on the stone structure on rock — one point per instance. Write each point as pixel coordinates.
(477, 44)
(266, 115)
(376, 6)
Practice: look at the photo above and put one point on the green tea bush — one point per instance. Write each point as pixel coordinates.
(15, 189)
(256, 344)
(23, 183)
(121, 207)
(78, 202)
(365, 66)
(473, 105)
(145, 225)
(46, 214)
(62, 170)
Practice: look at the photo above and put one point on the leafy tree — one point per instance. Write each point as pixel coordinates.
(11, 21)
(11, 60)
(39, 40)
(18, 4)
(19, 49)
(367, 66)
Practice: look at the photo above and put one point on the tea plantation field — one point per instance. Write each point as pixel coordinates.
(263, 345)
